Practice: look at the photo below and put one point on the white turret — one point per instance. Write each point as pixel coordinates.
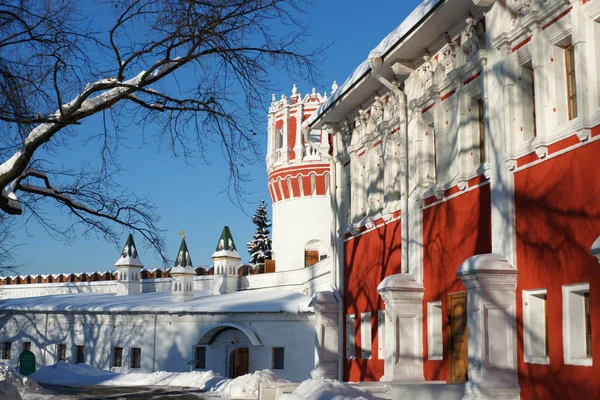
(129, 267)
(226, 260)
(299, 177)
(183, 273)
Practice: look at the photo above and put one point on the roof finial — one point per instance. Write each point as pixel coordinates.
(334, 87)
(182, 233)
(273, 98)
(294, 90)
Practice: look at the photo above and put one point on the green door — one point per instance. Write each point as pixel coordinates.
(26, 363)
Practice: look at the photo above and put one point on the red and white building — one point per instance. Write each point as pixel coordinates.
(463, 160)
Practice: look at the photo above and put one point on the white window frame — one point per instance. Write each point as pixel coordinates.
(435, 338)
(365, 336)
(350, 336)
(534, 326)
(380, 334)
(574, 324)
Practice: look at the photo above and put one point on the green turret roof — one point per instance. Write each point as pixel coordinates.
(183, 256)
(226, 246)
(129, 255)
(226, 242)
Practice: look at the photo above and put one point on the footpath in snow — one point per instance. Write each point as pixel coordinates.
(14, 386)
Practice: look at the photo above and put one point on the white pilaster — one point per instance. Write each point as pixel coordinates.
(285, 156)
(326, 351)
(403, 348)
(491, 324)
(298, 148)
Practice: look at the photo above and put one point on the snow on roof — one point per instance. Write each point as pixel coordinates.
(381, 49)
(161, 302)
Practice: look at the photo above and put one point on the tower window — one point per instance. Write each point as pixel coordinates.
(535, 326)
(61, 352)
(136, 357)
(278, 357)
(6, 350)
(571, 82)
(577, 324)
(117, 357)
(80, 355)
(199, 357)
(480, 127)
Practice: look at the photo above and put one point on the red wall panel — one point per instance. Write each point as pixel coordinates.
(557, 220)
(368, 259)
(453, 231)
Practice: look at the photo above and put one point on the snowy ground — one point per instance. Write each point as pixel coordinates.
(99, 384)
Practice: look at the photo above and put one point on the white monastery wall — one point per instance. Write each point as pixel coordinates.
(309, 280)
(295, 224)
(166, 340)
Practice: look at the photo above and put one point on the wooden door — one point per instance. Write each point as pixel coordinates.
(310, 257)
(241, 361)
(269, 266)
(457, 327)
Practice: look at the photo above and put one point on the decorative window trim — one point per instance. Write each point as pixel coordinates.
(350, 336)
(435, 344)
(534, 327)
(365, 336)
(380, 334)
(574, 324)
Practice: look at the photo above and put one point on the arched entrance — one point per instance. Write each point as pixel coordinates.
(233, 342)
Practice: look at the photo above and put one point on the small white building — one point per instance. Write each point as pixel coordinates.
(228, 324)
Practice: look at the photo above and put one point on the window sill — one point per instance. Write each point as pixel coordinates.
(435, 358)
(582, 362)
(537, 360)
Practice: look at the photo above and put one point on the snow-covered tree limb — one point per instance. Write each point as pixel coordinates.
(55, 71)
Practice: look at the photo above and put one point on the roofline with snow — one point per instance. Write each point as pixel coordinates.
(353, 81)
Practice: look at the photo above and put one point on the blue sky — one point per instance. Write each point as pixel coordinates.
(188, 194)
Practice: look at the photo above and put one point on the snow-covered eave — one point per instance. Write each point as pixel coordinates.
(153, 312)
(129, 262)
(387, 46)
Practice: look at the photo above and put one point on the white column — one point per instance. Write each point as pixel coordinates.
(491, 325)
(286, 132)
(326, 324)
(271, 140)
(298, 148)
(403, 348)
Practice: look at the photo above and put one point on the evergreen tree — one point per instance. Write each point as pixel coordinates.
(259, 247)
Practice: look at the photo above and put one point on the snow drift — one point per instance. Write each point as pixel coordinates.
(246, 386)
(242, 387)
(85, 375)
(326, 389)
(13, 386)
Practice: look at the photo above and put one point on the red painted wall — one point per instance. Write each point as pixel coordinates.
(557, 219)
(368, 259)
(453, 231)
